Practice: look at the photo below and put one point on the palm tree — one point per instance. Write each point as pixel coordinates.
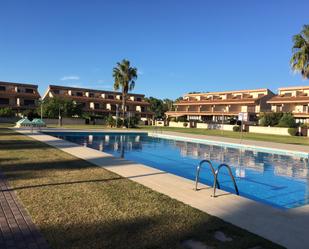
(124, 78)
(300, 58)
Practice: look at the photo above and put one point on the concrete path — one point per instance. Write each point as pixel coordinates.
(286, 227)
(17, 231)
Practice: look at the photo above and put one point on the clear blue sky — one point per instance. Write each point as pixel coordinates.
(177, 45)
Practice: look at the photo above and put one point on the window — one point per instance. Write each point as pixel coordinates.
(91, 95)
(139, 99)
(288, 95)
(2, 88)
(142, 108)
(29, 102)
(110, 97)
(79, 94)
(4, 101)
(29, 90)
(56, 91)
(96, 106)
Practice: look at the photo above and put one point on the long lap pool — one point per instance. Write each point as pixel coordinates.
(276, 179)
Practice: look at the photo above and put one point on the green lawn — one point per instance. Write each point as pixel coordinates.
(78, 205)
(232, 134)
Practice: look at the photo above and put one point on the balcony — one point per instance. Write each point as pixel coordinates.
(13, 93)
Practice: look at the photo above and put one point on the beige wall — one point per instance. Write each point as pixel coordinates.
(226, 127)
(178, 124)
(269, 130)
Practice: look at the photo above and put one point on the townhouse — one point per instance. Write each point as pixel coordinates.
(294, 100)
(102, 102)
(18, 96)
(222, 106)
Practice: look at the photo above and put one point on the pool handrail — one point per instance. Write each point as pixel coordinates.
(198, 169)
(231, 175)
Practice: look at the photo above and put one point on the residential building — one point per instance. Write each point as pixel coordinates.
(18, 96)
(294, 100)
(103, 102)
(222, 106)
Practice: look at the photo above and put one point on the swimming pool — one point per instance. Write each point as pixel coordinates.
(275, 179)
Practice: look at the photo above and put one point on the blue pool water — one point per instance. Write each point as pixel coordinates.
(278, 180)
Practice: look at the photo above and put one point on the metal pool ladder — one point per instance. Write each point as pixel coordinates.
(215, 175)
(198, 169)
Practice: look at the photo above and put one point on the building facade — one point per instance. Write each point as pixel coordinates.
(18, 96)
(294, 100)
(102, 102)
(222, 106)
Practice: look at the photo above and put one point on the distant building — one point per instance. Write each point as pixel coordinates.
(215, 106)
(102, 102)
(294, 100)
(18, 96)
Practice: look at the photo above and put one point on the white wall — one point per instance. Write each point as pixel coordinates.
(159, 123)
(226, 127)
(178, 124)
(269, 130)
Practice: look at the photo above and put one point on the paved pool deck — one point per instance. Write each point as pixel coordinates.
(288, 228)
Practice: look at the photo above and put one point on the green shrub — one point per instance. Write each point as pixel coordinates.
(292, 131)
(131, 122)
(111, 121)
(270, 118)
(6, 112)
(236, 128)
(287, 120)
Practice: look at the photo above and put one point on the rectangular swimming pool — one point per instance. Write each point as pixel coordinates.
(271, 178)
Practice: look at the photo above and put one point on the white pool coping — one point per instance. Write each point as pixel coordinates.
(288, 228)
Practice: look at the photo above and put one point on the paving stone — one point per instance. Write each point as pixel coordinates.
(17, 231)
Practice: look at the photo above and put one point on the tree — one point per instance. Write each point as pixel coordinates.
(160, 107)
(156, 106)
(124, 78)
(300, 57)
(287, 120)
(168, 105)
(270, 118)
(67, 108)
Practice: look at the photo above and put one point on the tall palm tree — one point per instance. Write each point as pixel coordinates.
(300, 58)
(124, 78)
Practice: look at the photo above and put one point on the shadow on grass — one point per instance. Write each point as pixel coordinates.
(65, 183)
(21, 145)
(163, 231)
